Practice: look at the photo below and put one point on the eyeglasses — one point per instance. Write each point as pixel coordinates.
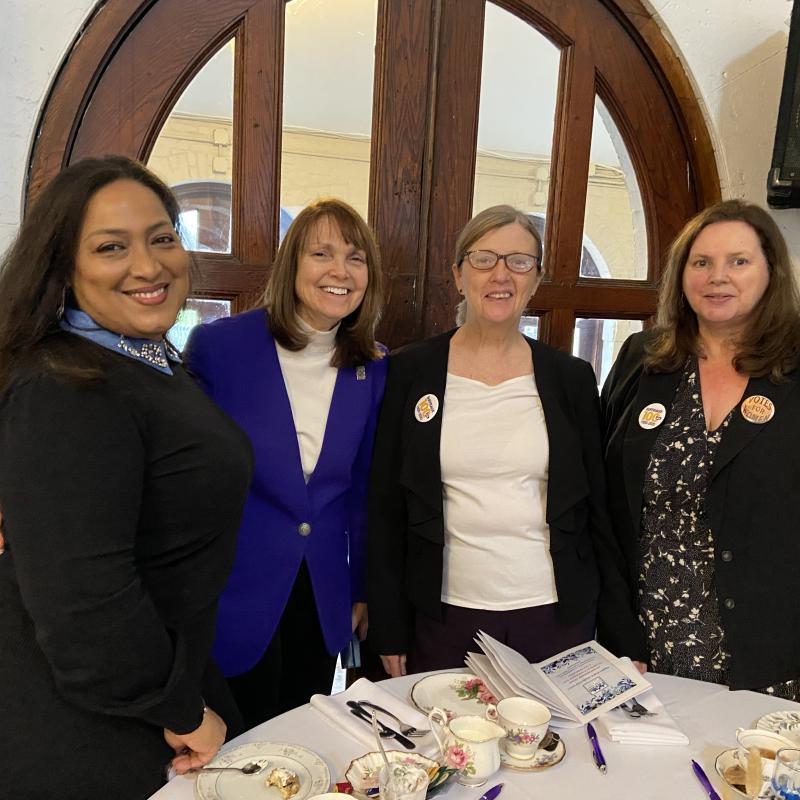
(516, 262)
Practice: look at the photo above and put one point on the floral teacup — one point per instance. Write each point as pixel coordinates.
(525, 724)
(468, 744)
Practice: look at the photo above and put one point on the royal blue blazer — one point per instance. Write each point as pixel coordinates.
(286, 519)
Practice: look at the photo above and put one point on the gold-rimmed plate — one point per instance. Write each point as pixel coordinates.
(456, 693)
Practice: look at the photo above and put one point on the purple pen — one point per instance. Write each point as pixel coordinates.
(706, 783)
(597, 753)
(492, 793)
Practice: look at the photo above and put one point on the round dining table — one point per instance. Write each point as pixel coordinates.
(707, 713)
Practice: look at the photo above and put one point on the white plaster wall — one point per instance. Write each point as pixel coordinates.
(34, 37)
(734, 51)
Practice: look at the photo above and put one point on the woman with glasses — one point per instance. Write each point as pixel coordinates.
(487, 498)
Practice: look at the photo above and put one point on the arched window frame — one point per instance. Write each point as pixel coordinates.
(128, 65)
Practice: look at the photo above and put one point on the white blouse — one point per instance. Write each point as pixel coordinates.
(310, 380)
(494, 459)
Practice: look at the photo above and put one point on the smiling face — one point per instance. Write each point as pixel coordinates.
(131, 272)
(725, 276)
(331, 278)
(498, 295)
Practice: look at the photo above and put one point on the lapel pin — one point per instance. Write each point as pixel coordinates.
(361, 373)
(651, 416)
(758, 409)
(426, 407)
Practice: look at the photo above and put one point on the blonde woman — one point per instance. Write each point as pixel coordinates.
(487, 499)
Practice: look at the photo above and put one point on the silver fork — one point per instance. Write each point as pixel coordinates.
(405, 728)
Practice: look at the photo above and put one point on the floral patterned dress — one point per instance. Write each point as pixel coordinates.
(677, 595)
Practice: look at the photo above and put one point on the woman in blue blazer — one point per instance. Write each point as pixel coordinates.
(304, 377)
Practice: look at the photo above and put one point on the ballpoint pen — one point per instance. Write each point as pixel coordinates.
(597, 753)
(492, 793)
(706, 783)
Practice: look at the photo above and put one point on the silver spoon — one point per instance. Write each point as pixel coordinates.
(248, 769)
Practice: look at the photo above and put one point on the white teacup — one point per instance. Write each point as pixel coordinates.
(767, 742)
(525, 722)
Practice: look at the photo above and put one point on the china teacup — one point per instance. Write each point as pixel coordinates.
(767, 742)
(525, 722)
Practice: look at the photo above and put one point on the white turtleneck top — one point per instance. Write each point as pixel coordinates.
(310, 379)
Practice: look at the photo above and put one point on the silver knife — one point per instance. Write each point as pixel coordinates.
(363, 715)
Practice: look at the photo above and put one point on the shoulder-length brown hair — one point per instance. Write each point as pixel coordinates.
(355, 339)
(36, 270)
(770, 343)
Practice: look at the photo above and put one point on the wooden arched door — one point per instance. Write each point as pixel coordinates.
(134, 60)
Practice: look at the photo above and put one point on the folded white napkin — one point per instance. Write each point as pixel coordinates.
(335, 708)
(660, 729)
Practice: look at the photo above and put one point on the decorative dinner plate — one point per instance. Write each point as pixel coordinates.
(456, 693)
(787, 723)
(730, 768)
(312, 773)
(542, 759)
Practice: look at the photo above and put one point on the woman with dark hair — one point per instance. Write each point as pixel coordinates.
(702, 423)
(487, 498)
(303, 376)
(122, 487)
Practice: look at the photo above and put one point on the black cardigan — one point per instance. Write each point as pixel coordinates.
(121, 500)
(406, 524)
(752, 502)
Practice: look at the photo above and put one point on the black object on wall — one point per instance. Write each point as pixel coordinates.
(783, 181)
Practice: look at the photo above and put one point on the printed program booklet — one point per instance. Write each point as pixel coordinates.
(577, 685)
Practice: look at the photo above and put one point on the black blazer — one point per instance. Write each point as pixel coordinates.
(406, 524)
(752, 502)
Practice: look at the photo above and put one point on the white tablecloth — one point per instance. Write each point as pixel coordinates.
(708, 714)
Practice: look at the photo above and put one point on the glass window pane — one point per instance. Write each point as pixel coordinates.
(614, 232)
(196, 311)
(598, 341)
(519, 88)
(329, 61)
(194, 154)
(529, 326)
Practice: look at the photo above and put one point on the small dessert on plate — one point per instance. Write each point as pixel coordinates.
(285, 781)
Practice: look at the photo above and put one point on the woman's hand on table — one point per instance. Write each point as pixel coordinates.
(360, 620)
(395, 666)
(641, 666)
(197, 748)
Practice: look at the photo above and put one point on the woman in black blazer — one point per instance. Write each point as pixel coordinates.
(487, 505)
(702, 420)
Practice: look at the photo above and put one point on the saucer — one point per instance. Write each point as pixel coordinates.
(786, 723)
(729, 759)
(542, 759)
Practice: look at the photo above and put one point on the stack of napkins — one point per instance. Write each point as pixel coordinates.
(658, 729)
(335, 708)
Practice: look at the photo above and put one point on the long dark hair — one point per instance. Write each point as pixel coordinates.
(355, 339)
(770, 344)
(35, 272)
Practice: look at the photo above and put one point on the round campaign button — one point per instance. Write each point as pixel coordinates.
(758, 409)
(651, 416)
(426, 407)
